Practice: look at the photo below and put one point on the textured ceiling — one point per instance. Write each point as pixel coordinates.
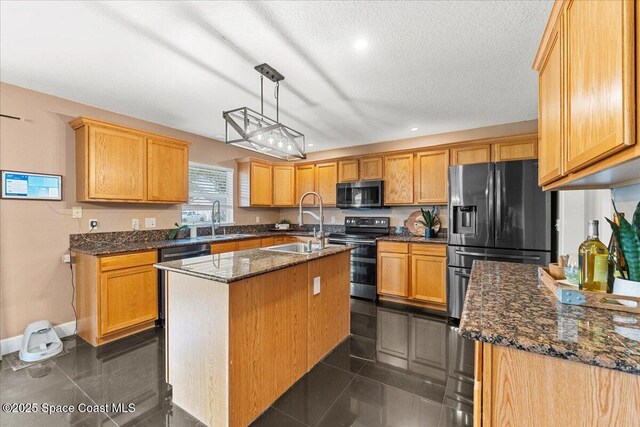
(438, 66)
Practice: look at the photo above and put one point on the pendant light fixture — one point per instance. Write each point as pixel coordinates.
(254, 131)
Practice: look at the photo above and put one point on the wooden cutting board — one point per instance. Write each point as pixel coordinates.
(416, 228)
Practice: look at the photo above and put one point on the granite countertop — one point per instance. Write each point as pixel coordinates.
(506, 305)
(234, 266)
(440, 240)
(97, 248)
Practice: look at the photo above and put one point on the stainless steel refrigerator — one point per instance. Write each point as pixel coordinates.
(496, 212)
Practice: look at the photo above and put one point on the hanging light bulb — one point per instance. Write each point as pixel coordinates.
(270, 140)
(289, 147)
(280, 144)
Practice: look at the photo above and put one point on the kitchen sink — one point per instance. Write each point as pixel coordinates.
(229, 236)
(294, 248)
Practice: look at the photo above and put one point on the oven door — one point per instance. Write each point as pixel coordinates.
(365, 194)
(363, 268)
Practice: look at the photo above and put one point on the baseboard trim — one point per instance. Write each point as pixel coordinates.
(9, 345)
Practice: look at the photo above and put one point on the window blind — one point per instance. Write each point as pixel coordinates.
(206, 185)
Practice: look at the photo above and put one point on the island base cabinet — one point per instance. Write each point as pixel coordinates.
(515, 387)
(233, 348)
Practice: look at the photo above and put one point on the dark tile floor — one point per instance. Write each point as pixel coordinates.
(399, 367)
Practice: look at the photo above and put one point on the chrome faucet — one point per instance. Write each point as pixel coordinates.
(215, 217)
(320, 235)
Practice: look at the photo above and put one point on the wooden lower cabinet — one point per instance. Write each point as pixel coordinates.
(116, 295)
(393, 274)
(515, 387)
(413, 274)
(429, 278)
(128, 297)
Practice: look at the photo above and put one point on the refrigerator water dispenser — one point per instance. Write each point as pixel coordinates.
(464, 219)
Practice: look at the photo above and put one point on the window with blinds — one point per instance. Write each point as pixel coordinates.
(206, 185)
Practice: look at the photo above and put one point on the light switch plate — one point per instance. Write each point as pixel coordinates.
(76, 212)
(316, 285)
(333, 220)
(257, 220)
(135, 224)
(149, 223)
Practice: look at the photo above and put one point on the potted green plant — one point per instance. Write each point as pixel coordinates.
(283, 224)
(628, 237)
(429, 220)
(178, 232)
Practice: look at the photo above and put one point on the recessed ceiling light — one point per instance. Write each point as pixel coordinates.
(413, 129)
(361, 44)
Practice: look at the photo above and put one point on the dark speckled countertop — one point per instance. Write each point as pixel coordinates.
(233, 266)
(506, 305)
(440, 240)
(98, 248)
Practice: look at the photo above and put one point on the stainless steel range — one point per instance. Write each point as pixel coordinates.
(362, 233)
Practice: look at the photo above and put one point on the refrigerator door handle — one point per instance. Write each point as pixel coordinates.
(498, 193)
(489, 198)
(466, 276)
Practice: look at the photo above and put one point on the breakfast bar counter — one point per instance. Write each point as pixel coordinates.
(540, 362)
(242, 327)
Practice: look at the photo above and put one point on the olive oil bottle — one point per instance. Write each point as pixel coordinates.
(594, 262)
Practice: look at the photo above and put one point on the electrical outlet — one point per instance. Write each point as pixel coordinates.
(316, 285)
(66, 258)
(149, 223)
(257, 220)
(333, 220)
(135, 224)
(76, 212)
(93, 224)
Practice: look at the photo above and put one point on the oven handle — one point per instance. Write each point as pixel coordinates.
(354, 242)
(531, 257)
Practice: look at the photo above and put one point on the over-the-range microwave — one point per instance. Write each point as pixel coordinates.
(361, 194)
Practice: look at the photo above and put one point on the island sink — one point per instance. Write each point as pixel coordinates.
(294, 248)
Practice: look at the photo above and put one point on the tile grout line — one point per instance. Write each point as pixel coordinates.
(84, 392)
(289, 416)
(334, 402)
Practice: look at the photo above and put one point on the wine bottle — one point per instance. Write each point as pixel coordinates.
(594, 262)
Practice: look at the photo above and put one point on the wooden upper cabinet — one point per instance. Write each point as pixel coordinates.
(398, 179)
(431, 177)
(115, 165)
(348, 170)
(284, 185)
(515, 150)
(119, 164)
(167, 166)
(305, 181)
(326, 180)
(255, 183)
(550, 110)
(371, 168)
(260, 183)
(600, 104)
(480, 153)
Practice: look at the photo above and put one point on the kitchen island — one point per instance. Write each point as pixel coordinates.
(243, 326)
(543, 363)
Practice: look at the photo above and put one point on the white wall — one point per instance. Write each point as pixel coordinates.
(578, 207)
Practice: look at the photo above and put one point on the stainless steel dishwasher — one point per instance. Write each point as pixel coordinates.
(174, 254)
